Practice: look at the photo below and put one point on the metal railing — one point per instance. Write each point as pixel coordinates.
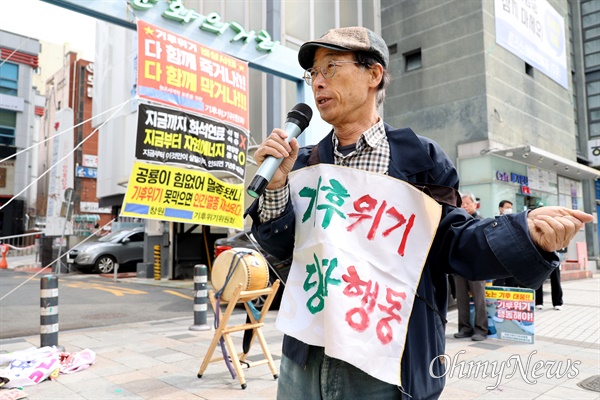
(22, 245)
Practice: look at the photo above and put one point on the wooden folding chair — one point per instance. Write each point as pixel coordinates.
(224, 331)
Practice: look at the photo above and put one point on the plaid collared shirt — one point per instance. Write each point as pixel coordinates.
(372, 154)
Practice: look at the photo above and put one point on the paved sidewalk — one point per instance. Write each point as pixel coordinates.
(571, 335)
(24, 262)
(161, 359)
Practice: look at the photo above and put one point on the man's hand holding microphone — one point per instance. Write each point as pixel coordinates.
(276, 155)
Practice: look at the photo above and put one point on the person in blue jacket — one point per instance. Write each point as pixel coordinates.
(347, 71)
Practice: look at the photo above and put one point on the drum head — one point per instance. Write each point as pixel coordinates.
(239, 265)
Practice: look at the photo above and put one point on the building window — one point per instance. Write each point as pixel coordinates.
(528, 69)
(8, 123)
(413, 60)
(9, 78)
(591, 33)
(592, 60)
(588, 7)
(590, 11)
(593, 100)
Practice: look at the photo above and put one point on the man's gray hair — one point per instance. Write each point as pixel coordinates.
(470, 195)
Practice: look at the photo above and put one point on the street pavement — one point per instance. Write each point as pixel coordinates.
(161, 359)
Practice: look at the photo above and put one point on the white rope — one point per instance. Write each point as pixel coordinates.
(65, 157)
(15, 50)
(55, 261)
(66, 130)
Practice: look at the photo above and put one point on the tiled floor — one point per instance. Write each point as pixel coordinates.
(161, 359)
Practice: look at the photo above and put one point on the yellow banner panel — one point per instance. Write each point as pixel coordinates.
(182, 195)
(509, 295)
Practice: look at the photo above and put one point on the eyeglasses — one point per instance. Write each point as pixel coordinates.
(327, 70)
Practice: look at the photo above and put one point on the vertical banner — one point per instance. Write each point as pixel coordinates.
(510, 313)
(61, 175)
(176, 71)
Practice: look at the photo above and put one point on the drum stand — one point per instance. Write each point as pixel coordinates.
(224, 331)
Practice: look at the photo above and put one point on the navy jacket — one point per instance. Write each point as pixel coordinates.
(475, 249)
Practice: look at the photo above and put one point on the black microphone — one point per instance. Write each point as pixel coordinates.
(297, 121)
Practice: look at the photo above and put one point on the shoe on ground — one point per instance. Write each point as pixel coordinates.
(462, 335)
(558, 308)
(478, 337)
(539, 307)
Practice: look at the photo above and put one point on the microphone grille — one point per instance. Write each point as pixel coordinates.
(302, 113)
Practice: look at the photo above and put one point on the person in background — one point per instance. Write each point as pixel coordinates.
(476, 288)
(347, 70)
(469, 204)
(555, 288)
(505, 207)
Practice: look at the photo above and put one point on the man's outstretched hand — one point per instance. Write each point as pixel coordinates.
(552, 228)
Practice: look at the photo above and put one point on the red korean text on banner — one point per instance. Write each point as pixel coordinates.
(174, 70)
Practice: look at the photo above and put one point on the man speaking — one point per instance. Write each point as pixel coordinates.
(372, 218)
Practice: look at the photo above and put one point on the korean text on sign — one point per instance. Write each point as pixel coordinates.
(181, 195)
(174, 136)
(361, 243)
(176, 71)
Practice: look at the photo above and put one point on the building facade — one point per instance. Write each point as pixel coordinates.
(21, 108)
(517, 113)
(70, 89)
(513, 129)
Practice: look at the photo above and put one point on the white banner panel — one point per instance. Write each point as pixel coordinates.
(361, 243)
(534, 32)
(61, 175)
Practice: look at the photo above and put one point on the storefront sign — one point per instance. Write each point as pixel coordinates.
(594, 152)
(176, 11)
(12, 103)
(93, 207)
(502, 176)
(512, 177)
(86, 172)
(89, 160)
(90, 80)
(232, 38)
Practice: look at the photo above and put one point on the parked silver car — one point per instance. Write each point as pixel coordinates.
(123, 246)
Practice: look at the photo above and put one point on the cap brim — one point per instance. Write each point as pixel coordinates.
(306, 54)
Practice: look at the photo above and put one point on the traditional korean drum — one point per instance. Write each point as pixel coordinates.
(239, 265)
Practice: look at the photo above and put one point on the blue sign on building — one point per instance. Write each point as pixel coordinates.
(86, 172)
